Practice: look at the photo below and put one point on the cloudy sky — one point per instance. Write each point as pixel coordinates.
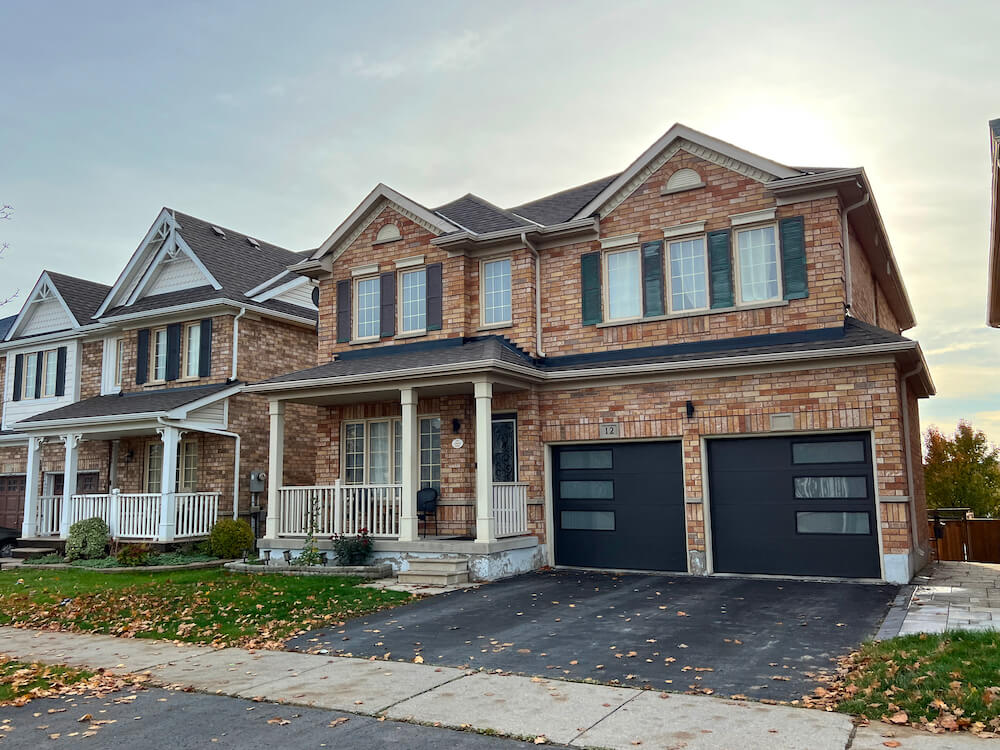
(278, 118)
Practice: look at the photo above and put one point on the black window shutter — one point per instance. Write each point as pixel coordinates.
(61, 371)
(18, 376)
(39, 357)
(590, 286)
(343, 311)
(173, 351)
(435, 292)
(652, 279)
(793, 257)
(142, 357)
(720, 268)
(205, 349)
(387, 299)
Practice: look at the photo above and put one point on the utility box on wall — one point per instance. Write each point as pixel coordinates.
(258, 481)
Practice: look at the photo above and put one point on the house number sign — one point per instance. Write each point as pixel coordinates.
(610, 430)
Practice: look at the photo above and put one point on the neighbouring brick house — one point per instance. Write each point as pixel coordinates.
(694, 365)
(127, 401)
(993, 272)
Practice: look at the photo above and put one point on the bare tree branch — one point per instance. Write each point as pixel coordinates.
(6, 211)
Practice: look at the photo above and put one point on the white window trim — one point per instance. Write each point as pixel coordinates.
(622, 240)
(401, 332)
(185, 332)
(179, 469)
(416, 260)
(392, 421)
(355, 297)
(28, 394)
(682, 230)
(368, 270)
(738, 272)
(151, 372)
(765, 215)
(670, 276)
(606, 283)
(483, 325)
(47, 355)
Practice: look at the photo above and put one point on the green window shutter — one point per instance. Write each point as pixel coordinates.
(590, 286)
(793, 257)
(720, 268)
(652, 279)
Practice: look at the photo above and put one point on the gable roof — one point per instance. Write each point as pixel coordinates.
(478, 215)
(77, 298)
(564, 205)
(81, 296)
(993, 295)
(6, 324)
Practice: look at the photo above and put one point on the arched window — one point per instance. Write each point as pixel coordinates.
(683, 179)
(388, 233)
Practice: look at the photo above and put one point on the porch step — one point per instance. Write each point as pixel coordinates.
(436, 571)
(29, 553)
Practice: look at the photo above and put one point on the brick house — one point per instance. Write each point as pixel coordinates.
(695, 365)
(126, 401)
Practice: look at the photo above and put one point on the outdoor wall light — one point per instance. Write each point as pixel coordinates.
(129, 456)
(690, 409)
(456, 425)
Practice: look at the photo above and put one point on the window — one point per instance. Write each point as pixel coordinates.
(831, 487)
(587, 490)
(368, 323)
(624, 287)
(192, 349)
(119, 361)
(28, 375)
(187, 467)
(158, 355)
(757, 258)
(154, 467)
(430, 453)
(840, 452)
(378, 453)
(688, 275)
(496, 292)
(588, 520)
(832, 522)
(585, 460)
(354, 453)
(49, 365)
(373, 452)
(413, 295)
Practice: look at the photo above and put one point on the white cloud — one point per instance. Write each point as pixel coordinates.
(363, 67)
(455, 52)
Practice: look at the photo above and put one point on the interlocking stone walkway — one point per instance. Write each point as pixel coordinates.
(954, 596)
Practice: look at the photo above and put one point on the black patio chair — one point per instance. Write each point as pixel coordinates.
(427, 503)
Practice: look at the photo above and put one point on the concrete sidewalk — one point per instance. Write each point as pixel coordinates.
(572, 713)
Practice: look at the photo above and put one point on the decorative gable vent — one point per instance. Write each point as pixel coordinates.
(388, 233)
(683, 179)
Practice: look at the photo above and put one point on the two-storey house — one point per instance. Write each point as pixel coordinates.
(126, 402)
(694, 365)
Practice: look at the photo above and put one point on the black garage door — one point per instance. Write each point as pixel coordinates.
(620, 506)
(794, 506)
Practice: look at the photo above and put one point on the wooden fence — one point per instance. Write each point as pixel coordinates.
(966, 539)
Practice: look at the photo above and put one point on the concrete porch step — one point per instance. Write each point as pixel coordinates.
(439, 565)
(28, 553)
(434, 579)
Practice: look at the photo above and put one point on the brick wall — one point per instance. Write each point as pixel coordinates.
(91, 369)
(222, 357)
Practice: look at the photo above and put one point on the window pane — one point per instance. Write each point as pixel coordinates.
(49, 384)
(815, 522)
(154, 467)
(624, 297)
(414, 296)
(688, 286)
(496, 291)
(30, 367)
(193, 349)
(587, 490)
(430, 453)
(758, 261)
(187, 469)
(368, 308)
(354, 453)
(378, 453)
(832, 487)
(397, 452)
(585, 460)
(119, 359)
(160, 355)
(590, 520)
(841, 452)
(504, 450)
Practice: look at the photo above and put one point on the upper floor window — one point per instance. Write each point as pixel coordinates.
(624, 284)
(49, 370)
(192, 349)
(119, 355)
(413, 296)
(757, 264)
(158, 355)
(496, 292)
(368, 323)
(688, 264)
(28, 381)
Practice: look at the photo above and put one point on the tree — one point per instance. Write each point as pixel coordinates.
(5, 213)
(962, 471)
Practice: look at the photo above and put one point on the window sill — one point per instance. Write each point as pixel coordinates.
(495, 326)
(368, 340)
(695, 313)
(409, 335)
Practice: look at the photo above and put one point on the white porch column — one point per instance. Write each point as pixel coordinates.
(485, 525)
(29, 526)
(72, 442)
(275, 467)
(168, 483)
(409, 526)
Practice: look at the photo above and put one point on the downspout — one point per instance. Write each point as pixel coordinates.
(236, 462)
(904, 396)
(236, 340)
(845, 234)
(538, 293)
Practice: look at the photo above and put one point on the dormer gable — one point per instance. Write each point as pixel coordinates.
(44, 311)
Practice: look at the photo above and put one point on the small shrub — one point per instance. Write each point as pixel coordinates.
(231, 538)
(88, 539)
(132, 555)
(353, 550)
(101, 562)
(50, 559)
(310, 554)
(178, 558)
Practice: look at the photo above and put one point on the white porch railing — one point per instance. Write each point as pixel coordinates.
(48, 514)
(196, 513)
(340, 509)
(510, 508)
(131, 515)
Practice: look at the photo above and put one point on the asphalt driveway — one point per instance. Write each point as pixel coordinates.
(765, 639)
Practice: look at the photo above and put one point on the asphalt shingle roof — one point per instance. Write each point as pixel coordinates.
(82, 297)
(5, 325)
(479, 215)
(562, 206)
(125, 404)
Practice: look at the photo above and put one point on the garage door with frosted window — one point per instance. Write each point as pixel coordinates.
(794, 506)
(619, 506)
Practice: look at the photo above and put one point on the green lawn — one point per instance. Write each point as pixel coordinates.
(20, 681)
(950, 681)
(201, 606)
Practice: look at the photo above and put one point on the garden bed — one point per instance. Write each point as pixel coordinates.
(368, 572)
(197, 565)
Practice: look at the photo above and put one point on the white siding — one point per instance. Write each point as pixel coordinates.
(211, 414)
(300, 295)
(44, 317)
(17, 410)
(174, 275)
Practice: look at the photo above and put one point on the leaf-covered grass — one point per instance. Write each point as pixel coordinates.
(20, 680)
(944, 681)
(201, 606)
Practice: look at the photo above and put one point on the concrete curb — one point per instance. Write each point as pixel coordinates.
(368, 572)
(133, 569)
(894, 618)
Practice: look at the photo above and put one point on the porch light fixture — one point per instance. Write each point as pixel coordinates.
(129, 456)
(456, 425)
(690, 409)
(288, 556)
